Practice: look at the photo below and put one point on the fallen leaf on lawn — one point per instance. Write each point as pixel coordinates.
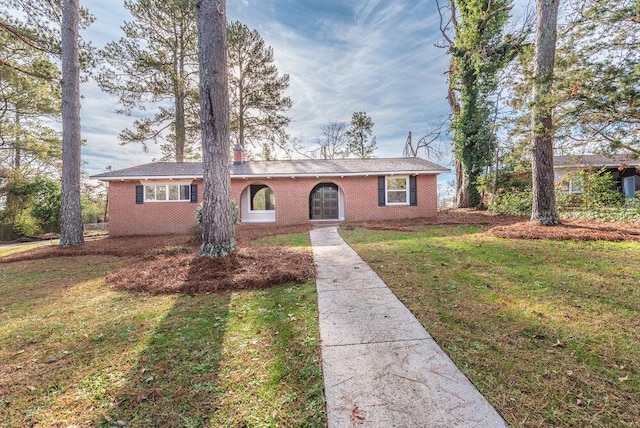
(357, 415)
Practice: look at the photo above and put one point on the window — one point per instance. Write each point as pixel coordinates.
(261, 198)
(397, 190)
(166, 192)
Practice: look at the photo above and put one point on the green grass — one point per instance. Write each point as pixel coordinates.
(548, 331)
(74, 352)
(5, 251)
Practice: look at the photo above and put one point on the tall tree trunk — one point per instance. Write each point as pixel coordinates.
(17, 157)
(544, 209)
(179, 101)
(218, 235)
(241, 110)
(70, 214)
(463, 199)
(181, 132)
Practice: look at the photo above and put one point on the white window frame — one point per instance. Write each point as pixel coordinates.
(249, 200)
(387, 190)
(166, 185)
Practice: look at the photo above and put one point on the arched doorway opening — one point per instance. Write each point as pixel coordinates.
(257, 204)
(325, 202)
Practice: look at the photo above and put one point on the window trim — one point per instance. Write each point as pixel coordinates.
(167, 185)
(406, 191)
(249, 210)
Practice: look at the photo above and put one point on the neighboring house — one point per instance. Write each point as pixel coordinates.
(624, 171)
(161, 198)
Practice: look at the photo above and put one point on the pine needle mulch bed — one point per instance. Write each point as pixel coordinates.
(248, 268)
(569, 230)
(169, 264)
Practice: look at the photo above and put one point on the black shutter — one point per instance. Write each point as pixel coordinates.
(413, 191)
(139, 194)
(193, 193)
(381, 195)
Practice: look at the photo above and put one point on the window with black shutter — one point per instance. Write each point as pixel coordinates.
(139, 194)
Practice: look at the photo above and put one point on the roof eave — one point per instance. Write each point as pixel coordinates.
(278, 175)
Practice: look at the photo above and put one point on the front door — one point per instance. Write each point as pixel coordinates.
(323, 202)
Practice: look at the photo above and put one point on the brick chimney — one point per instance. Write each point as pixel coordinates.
(238, 154)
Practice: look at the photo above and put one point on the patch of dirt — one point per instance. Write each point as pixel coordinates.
(569, 230)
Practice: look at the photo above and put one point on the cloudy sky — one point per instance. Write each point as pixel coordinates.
(342, 56)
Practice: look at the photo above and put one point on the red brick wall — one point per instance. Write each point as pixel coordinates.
(360, 195)
(292, 204)
(151, 218)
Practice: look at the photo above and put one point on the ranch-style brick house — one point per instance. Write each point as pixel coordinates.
(161, 198)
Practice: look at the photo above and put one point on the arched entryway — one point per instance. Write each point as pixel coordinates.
(257, 204)
(325, 202)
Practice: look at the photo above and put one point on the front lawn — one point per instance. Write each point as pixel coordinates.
(75, 352)
(547, 330)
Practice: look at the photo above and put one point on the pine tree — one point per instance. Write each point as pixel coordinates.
(544, 209)
(257, 93)
(218, 235)
(71, 230)
(29, 88)
(358, 135)
(155, 64)
(598, 78)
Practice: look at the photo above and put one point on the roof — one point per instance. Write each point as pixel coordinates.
(593, 161)
(281, 168)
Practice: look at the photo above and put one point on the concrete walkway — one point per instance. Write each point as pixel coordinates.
(381, 368)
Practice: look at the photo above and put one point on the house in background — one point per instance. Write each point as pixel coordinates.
(161, 198)
(624, 171)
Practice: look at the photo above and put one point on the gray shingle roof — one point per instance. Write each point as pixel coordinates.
(581, 160)
(592, 160)
(282, 168)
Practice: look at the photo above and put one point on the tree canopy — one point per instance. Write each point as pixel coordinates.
(359, 133)
(257, 95)
(155, 66)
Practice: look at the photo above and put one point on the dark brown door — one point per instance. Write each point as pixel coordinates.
(323, 202)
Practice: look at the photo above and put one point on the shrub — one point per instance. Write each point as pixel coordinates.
(596, 190)
(513, 202)
(25, 224)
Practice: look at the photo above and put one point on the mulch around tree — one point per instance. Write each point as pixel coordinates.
(169, 264)
(248, 268)
(569, 230)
